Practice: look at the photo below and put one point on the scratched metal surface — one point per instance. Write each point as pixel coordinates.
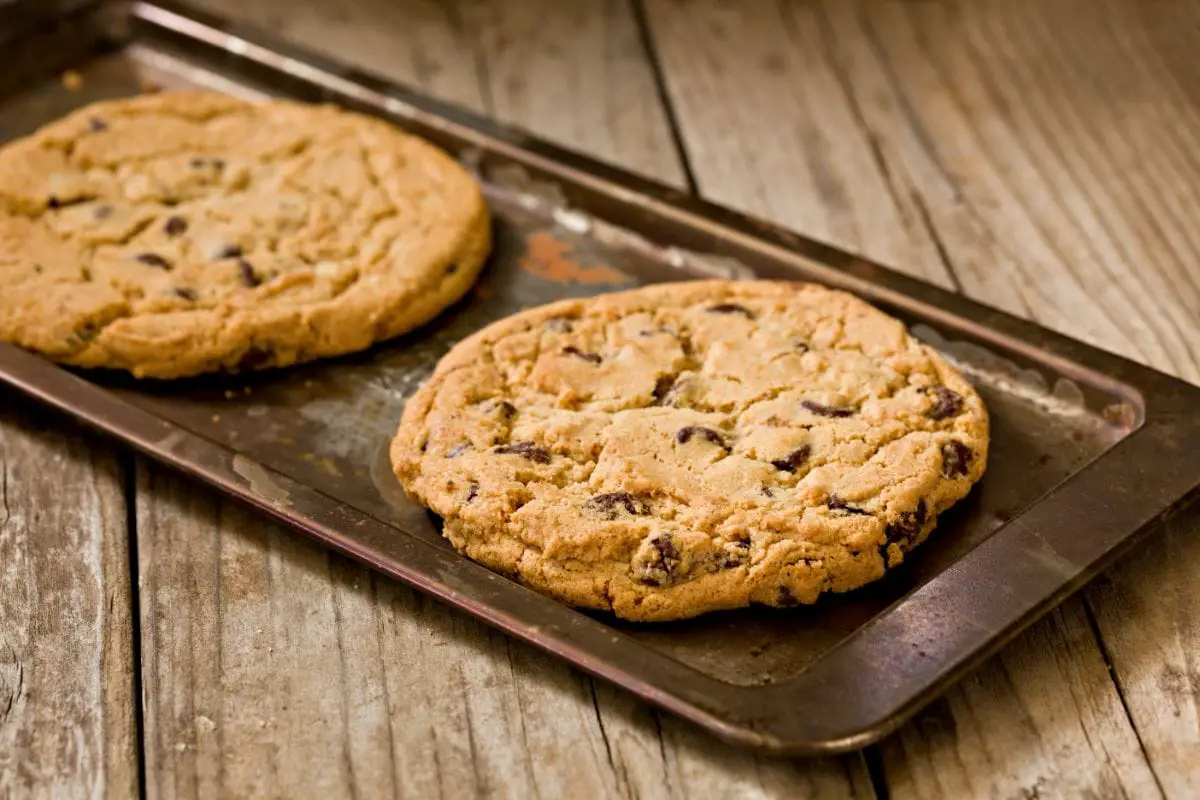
(328, 424)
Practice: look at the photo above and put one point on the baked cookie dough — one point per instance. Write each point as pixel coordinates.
(688, 447)
(181, 233)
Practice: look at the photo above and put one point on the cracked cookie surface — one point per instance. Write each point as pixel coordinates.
(683, 448)
(181, 233)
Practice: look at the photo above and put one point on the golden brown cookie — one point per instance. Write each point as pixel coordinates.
(181, 233)
(681, 448)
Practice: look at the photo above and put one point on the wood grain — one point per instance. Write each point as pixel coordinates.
(67, 699)
(417, 42)
(1148, 611)
(1076, 177)
(576, 73)
(1040, 720)
(770, 128)
(572, 72)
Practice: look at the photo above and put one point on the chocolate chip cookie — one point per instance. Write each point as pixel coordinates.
(182, 233)
(688, 447)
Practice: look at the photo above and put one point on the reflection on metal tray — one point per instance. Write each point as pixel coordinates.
(1088, 449)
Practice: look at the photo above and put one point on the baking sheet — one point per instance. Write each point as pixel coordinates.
(308, 444)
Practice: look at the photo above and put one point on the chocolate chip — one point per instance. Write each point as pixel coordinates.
(667, 552)
(559, 325)
(199, 163)
(768, 491)
(95, 125)
(247, 274)
(662, 387)
(453, 268)
(228, 251)
(457, 450)
(786, 598)
(737, 557)
(665, 563)
(525, 449)
(152, 260)
(674, 395)
(907, 526)
(946, 402)
(503, 409)
(254, 358)
(175, 226)
(591, 358)
(731, 308)
(794, 460)
(684, 435)
(836, 503)
(956, 459)
(102, 212)
(186, 294)
(472, 492)
(609, 506)
(53, 202)
(822, 410)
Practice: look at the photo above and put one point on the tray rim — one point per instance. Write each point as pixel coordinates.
(1167, 430)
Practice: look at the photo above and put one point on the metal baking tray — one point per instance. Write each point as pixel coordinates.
(1089, 450)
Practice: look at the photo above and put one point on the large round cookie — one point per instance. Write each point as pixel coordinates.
(181, 233)
(688, 447)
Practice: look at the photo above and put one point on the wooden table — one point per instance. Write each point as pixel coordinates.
(1043, 157)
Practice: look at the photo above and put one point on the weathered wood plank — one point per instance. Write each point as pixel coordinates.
(771, 128)
(1148, 610)
(572, 72)
(1068, 178)
(67, 698)
(1042, 719)
(575, 73)
(417, 42)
